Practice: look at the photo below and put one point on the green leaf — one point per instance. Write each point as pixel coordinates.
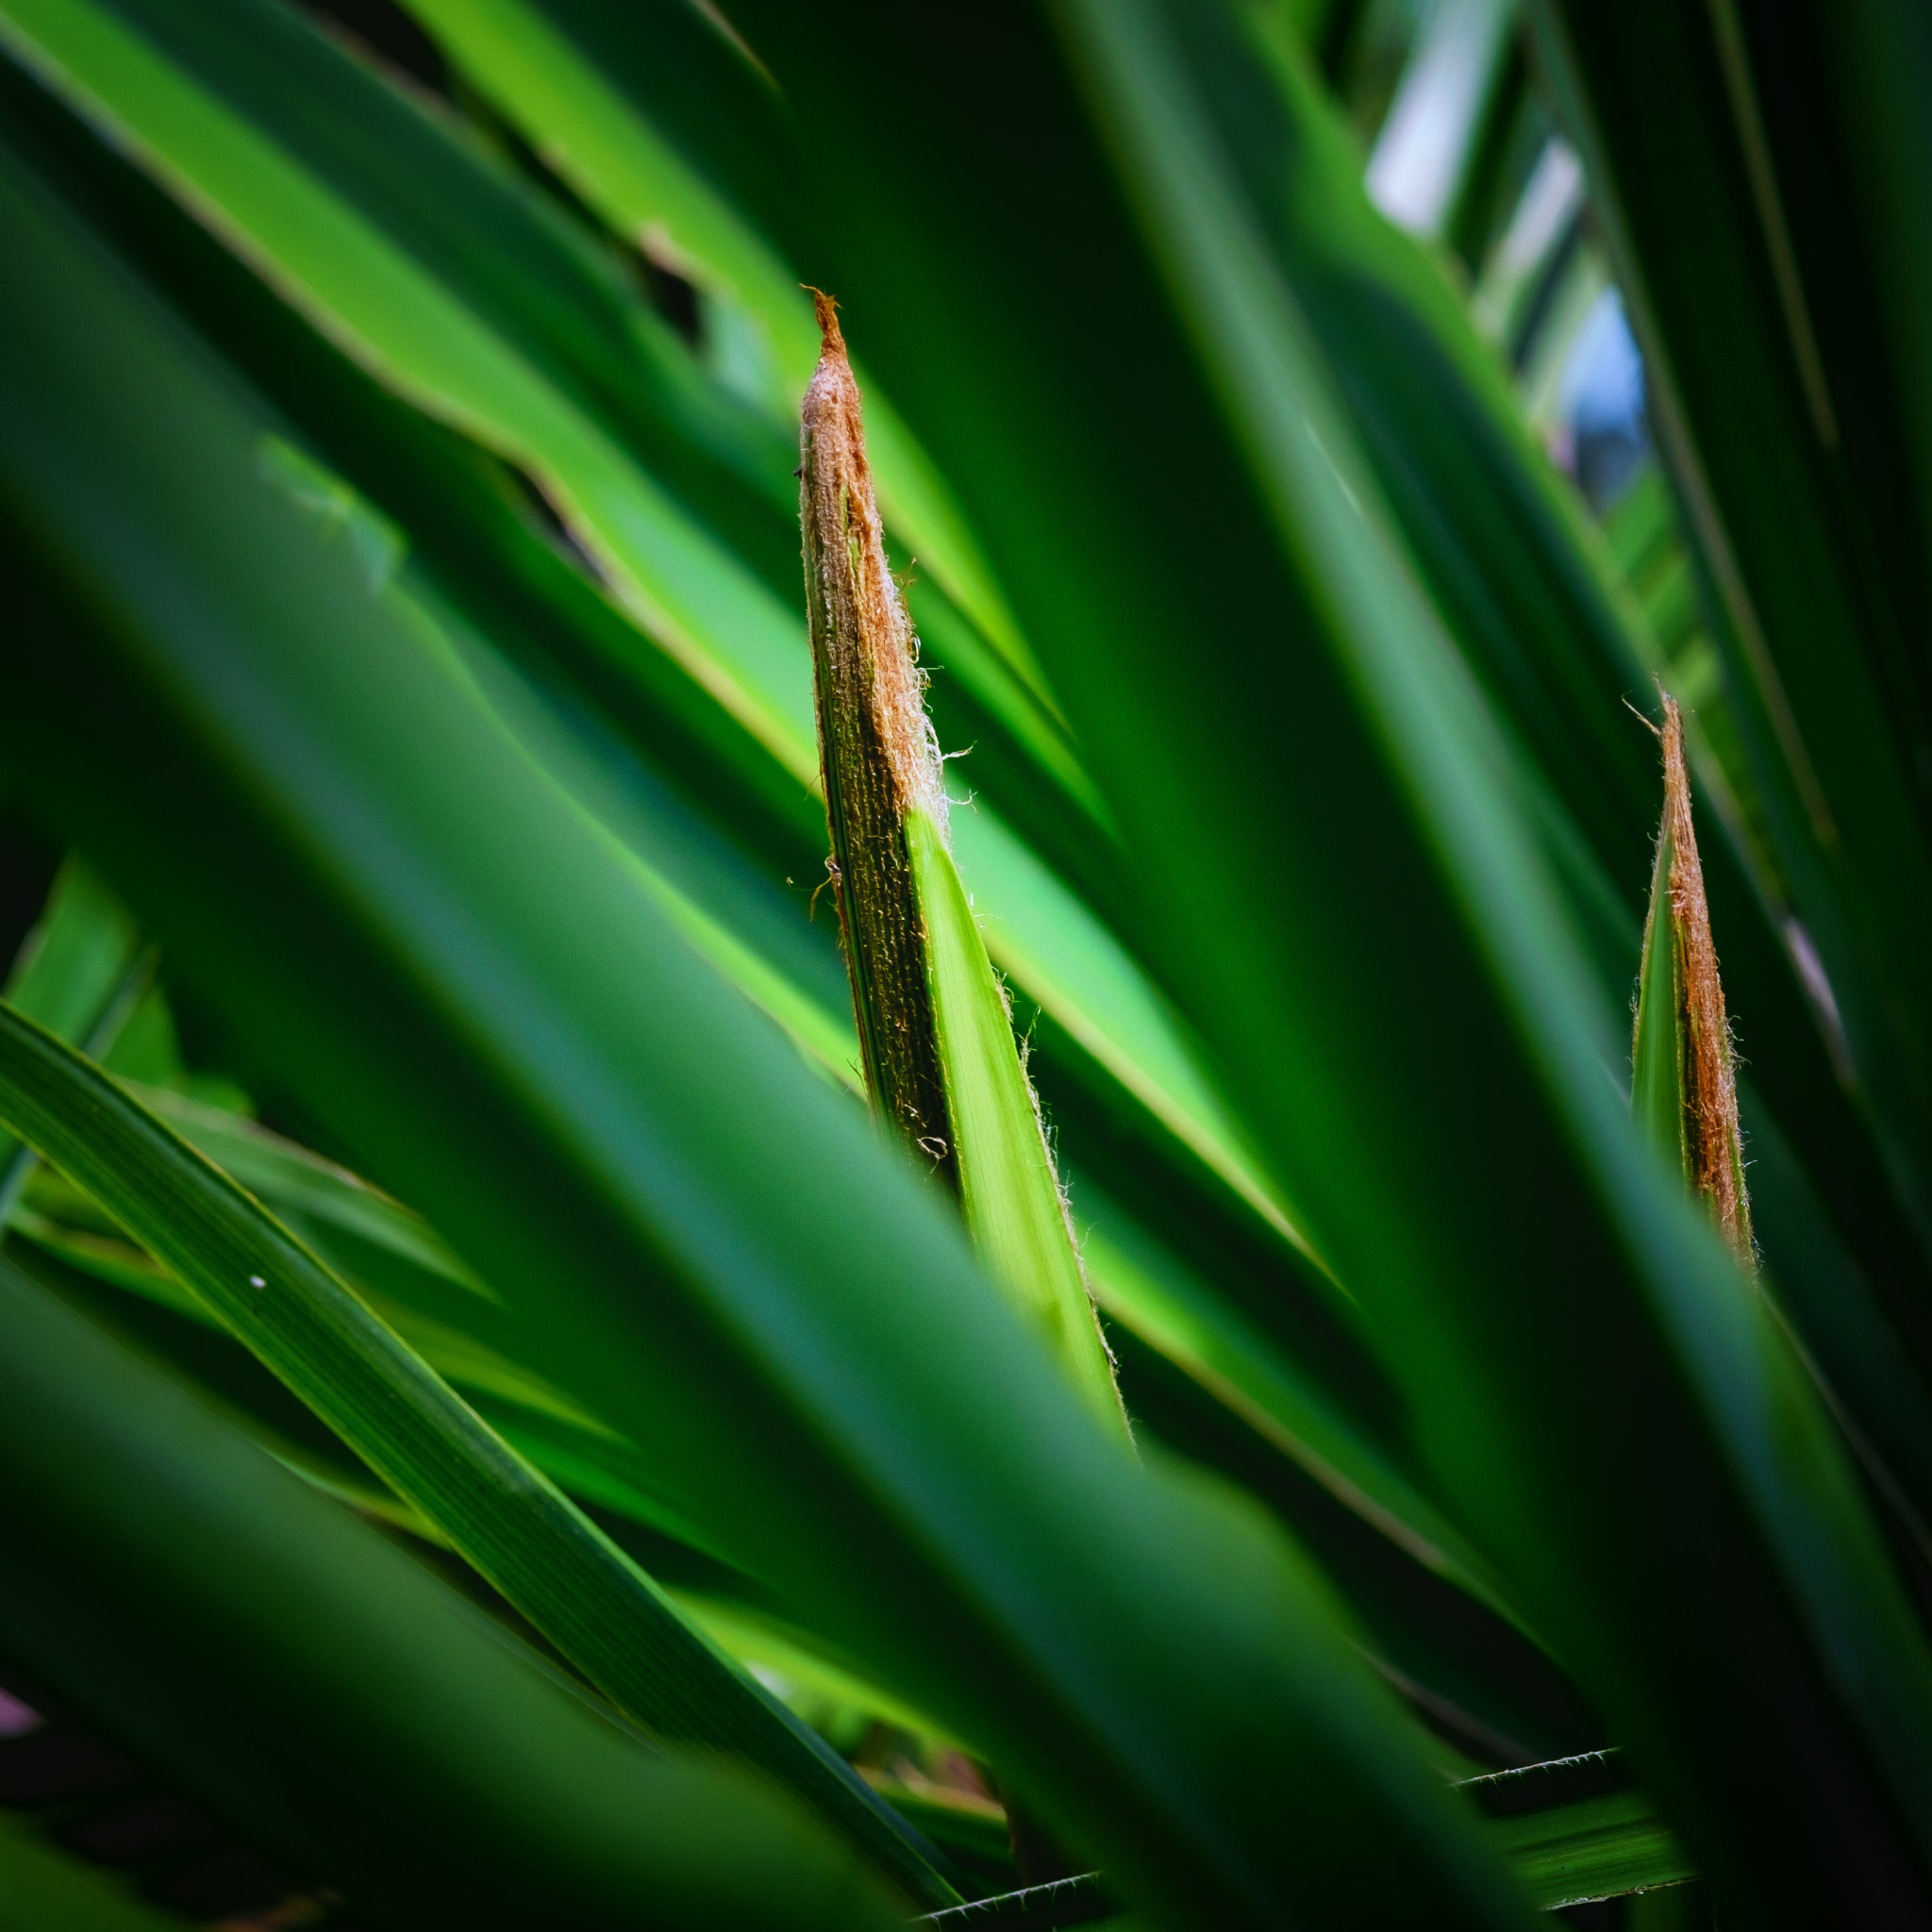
(1657, 1084)
(1596, 1848)
(1175, 1311)
(579, 1451)
(1484, 1692)
(1523, 585)
(80, 975)
(690, 594)
(1038, 931)
(76, 961)
(1008, 1191)
(562, 1573)
(941, 1068)
(1724, 163)
(644, 188)
(286, 1176)
(1695, 1064)
(1084, 977)
(42, 1885)
(319, 1691)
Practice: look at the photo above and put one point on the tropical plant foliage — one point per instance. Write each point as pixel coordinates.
(696, 1505)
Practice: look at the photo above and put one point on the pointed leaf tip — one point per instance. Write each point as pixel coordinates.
(832, 339)
(1683, 1065)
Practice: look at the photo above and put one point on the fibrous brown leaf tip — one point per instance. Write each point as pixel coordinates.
(877, 755)
(1713, 1145)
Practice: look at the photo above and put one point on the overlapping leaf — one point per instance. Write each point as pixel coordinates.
(510, 1031)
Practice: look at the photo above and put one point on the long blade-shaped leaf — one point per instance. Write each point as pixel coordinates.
(76, 961)
(440, 349)
(320, 1690)
(78, 975)
(644, 185)
(286, 1176)
(1567, 1845)
(1656, 1059)
(1520, 582)
(1008, 1191)
(573, 1583)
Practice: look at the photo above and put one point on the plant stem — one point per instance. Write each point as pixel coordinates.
(878, 756)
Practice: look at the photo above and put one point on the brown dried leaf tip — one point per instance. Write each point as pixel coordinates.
(1713, 1144)
(877, 755)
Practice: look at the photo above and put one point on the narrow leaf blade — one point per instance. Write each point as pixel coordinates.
(327, 1346)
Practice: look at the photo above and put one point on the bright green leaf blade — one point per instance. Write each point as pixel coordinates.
(635, 179)
(686, 591)
(1657, 1087)
(1449, 751)
(1178, 1315)
(1755, 346)
(579, 1451)
(560, 1572)
(1082, 975)
(1596, 1848)
(1219, 1349)
(1007, 1188)
(759, 1638)
(229, 116)
(1522, 584)
(340, 267)
(77, 957)
(320, 1690)
(58, 1216)
(822, 1035)
(79, 975)
(42, 1886)
(643, 187)
(745, 1629)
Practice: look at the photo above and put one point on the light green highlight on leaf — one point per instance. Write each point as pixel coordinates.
(76, 956)
(762, 1641)
(692, 596)
(626, 170)
(1657, 1073)
(1007, 1188)
(1596, 1848)
(81, 974)
(42, 1887)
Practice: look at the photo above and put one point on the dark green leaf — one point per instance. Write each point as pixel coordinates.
(571, 1582)
(322, 1692)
